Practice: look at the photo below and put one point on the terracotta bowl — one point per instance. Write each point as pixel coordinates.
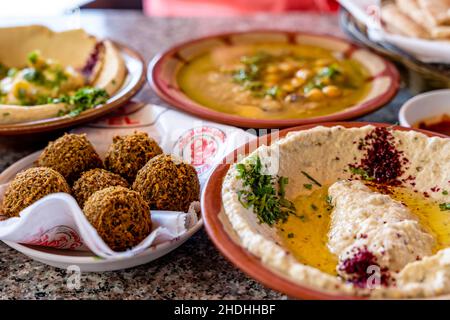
(226, 240)
(163, 70)
(133, 83)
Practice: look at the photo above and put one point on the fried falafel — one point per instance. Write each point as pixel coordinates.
(70, 155)
(121, 217)
(168, 183)
(95, 180)
(128, 154)
(31, 185)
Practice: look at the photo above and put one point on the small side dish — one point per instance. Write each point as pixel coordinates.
(40, 80)
(357, 211)
(440, 124)
(273, 78)
(429, 111)
(279, 81)
(120, 211)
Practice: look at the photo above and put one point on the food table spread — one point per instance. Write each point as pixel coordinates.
(196, 270)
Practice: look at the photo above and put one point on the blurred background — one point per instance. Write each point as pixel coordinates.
(165, 8)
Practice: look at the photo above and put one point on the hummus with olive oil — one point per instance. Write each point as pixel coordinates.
(342, 216)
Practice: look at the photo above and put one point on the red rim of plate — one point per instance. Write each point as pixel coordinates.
(163, 89)
(240, 257)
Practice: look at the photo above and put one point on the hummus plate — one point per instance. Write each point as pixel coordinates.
(340, 210)
(273, 79)
(50, 80)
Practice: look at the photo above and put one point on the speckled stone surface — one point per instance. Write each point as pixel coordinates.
(195, 270)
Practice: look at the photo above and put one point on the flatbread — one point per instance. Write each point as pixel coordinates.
(395, 19)
(72, 47)
(412, 9)
(436, 11)
(440, 32)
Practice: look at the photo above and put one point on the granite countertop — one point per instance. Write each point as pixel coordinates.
(196, 270)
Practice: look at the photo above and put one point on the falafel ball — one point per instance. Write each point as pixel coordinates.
(70, 155)
(95, 180)
(31, 185)
(128, 154)
(121, 217)
(168, 183)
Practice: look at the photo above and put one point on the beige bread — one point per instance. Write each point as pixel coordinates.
(436, 11)
(72, 47)
(412, 9)
(399, 22)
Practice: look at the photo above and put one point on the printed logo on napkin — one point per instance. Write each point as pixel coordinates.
(61, 237)
(200, 146)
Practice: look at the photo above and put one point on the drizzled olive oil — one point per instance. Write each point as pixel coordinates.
(305, 234)
(431, 217)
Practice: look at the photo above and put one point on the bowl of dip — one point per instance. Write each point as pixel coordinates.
(428, 111)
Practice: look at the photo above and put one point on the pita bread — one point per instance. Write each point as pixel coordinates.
(440, 32)
(397, 20)
(71, 47)
(436, 11)
(414, 11)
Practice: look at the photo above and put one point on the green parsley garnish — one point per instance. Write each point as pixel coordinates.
(273, 92)
(307, 186)
(329, 72)
(445, 192)
(264, 193)
(83, 99)
(361, 172)
(444, 206)
(329, 200)
(3, 71)
(33, 57)
(311, 178)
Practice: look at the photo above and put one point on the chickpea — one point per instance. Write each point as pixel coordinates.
(332, 91)
(303, 74)
(286, 66)
(314, 94)
(297, 82)
(271, 68)
(20, 89)
(322, 62)
(287, 87)
(326, 81)
(270, 105)
(272, 78)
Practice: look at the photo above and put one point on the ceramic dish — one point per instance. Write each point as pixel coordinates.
(424, 106)
(86, 260)
(134, 81)
(227, 240)
(164, 69)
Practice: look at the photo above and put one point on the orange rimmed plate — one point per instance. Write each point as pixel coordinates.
(227, 241)
(164, 68)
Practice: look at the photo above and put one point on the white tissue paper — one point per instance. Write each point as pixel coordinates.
(367, 11)
(57, 221)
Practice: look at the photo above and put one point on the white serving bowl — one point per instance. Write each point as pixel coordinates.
(423, 106)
